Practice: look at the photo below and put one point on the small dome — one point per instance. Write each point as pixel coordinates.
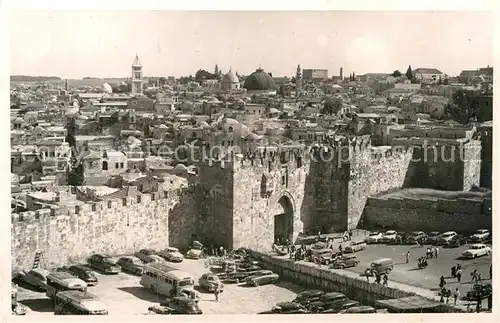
(180, 167)
(18, 120)
(230, 77)
(259, 81)
(162, 126)
(82, 117)
(336, 86)
(204, 124)
(106, 88)
(251, 137)
(274, 111)
(231, 121)
(71, 112)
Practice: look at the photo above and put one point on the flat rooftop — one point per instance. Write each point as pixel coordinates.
(432, 194)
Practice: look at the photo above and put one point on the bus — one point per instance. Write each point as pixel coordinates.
(164, 280)
(74, 302)
(62, 281)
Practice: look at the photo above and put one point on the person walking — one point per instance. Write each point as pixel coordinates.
(473, 276)
(436, 252)
(459, 275)
(216, 293)
(454, 271)
(442, 282)
(456, 295)
(368, 274)
(408, 256)
(386, 279)
(340, 249)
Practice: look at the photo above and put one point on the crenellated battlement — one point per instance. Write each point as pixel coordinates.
(85, 208)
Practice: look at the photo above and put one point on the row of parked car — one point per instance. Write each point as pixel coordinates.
(447, 239)
(319, 302)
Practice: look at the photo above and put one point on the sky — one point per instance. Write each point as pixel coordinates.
(75, 44)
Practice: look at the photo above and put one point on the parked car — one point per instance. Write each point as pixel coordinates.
(401, 238)
(195, 251)
(155, 258)
(476, 250)
(388, 236)
(246, 267)
(340, 305)
(236, 277)
(287, 308)
(355, 246)
(210, 282)
(432, 237)
(36, 277)
(374, 237)
(161, 310)
(325, 256)
(182, 305)
(382, 266)
(345, 262)
(359, 310)
(104, 263)
(456, 241)
(84, 273)
(262, 277)
(325, 301)
(145, 255)
(480, 236)
(416, 237)
(479, 291)
(308, 296)
(445, 238)
(131, 264)
(171, 254)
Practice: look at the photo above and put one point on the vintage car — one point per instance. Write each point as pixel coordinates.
(131, 264)
(355, 246)
(195, 251)
(238, 276)
(210, 282)
(145, 255)
(374, 237)
(182, 305)
(36, 277)
(479, 291)
(445, 238)
(345, 262)
(83, 272)
(171, 254)
(308, 296)
(104, 263)
(456, 241)
(432, 237)
(338, 306)
(480, 236)
(325, 256)
(359, 310)
(388, 236)
(287, 308)
(476, 250)
(262, 277)
(416, 237)
(325, 300)
(161, 310)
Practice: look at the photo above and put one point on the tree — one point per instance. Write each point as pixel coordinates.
(396, 73)
(409, 73)
(446, 81)
(71, 132)
(331, 107)
(465, 106)
(202, 75)
(76, 176)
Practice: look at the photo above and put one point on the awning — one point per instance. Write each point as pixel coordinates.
(413, 304)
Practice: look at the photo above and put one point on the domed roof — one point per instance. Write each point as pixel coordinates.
(18, 120)
(71, 112)
(204, 124)
(82, 117)
(180, 167)
(162, 126)
(231, 121)
(230, 77)
(259, 81)
(107, 88)
(252, 136)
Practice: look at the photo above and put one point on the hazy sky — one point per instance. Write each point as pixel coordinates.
(74, 44)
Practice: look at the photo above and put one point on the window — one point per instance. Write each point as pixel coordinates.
(116, 165)
(138, 199)
(104, 165)
(124, 201)
(121, 165)
(230, 129)
(109, 205)
(283, 180)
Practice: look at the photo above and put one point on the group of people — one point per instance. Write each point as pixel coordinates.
(379, 278)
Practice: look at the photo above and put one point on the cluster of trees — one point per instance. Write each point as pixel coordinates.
(331, 107)
(75, 173)
(202, 75)
(464, 107)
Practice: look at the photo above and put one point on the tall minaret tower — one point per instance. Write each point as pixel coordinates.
(137, 79)
(298, 81)
(341, 73)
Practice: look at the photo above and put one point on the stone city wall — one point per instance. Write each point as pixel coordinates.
(412, 214)
(313, 277)
(114, 227)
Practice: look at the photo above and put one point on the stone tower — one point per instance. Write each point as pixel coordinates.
(341, 73)
(298, 81)
(137, 79)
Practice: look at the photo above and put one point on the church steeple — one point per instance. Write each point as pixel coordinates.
(298, 81)
(137, 79)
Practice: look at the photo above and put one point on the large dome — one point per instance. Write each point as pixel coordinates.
(230, 77)
(259, 81)
(106, 88)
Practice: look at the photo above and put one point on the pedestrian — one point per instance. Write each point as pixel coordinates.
(340, 249)
(408, 256)
(350, 235)
(453, 271)
(473, 276)
(386, 279)
(368, 274)
(377, 278)
(429, 252)
(221, 251)
(216, 293)
(436, 252)
(459, 275)
(456, 295)
(442, 282)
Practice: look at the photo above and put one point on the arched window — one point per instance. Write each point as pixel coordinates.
(230, 129)
(104, 165)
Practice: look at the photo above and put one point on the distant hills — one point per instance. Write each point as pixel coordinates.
(26, 78)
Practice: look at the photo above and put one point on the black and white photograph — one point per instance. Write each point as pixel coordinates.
(174, 162)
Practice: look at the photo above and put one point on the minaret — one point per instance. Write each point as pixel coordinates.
(137, 79)
(66, 86)
(341, 73)
(298, 81)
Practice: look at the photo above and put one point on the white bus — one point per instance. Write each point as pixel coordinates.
(165, 280)
(61, 281)
(73, 302)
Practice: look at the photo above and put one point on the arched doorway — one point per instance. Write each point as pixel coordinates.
(283, 221)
